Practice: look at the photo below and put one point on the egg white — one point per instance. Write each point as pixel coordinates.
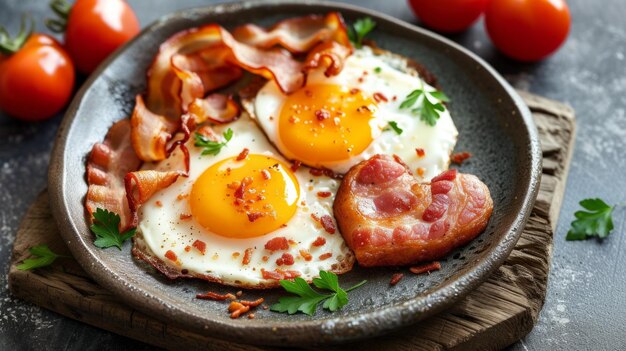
(437, 141)
(162, 229)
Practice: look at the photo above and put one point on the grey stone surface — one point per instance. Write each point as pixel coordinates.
(585, 307)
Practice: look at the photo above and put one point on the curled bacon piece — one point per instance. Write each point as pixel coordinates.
(150, 132)
(388, 218)
(107, 165)
(217, 108)
(298, 35)
(141, 185)
(329, 54)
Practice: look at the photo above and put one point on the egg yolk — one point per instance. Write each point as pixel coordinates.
(323, 123)
(245, 198)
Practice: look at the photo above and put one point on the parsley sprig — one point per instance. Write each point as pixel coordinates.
(393, 125)
(43, 256)
(359, 30)
(106, 228)
(308, 299)
(213, 147)
(597, 221)
(429, 104)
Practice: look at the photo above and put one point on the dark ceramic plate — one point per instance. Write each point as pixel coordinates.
(494, 125)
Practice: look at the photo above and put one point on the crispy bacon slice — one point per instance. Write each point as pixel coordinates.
(217, 108)
(298, 35)
(388, 218)
(150, 132)
(107, 165)
(141, 185)
(329, 54)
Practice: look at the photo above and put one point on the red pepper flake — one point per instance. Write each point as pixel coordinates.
(428, 267)
(322, 114)
(328, 224)
(185, 216)
(247, 255)
(395, 278)
(354, 91)
(187, 248)
(279, 243)
(200, 245)
(394, 98)
(320, 241)
(286, 259)
(242, 187)
(420, 152)
(214, 296)
(170, 255)
(308, 93)
(244, 153)
(295, 165)
(253, 216)
(265, 258)
(159, 203)
(254, 303)
(306, 255)
(325, 256)
(459, 157)
(380, 97)
(266, 174)
(324, 194)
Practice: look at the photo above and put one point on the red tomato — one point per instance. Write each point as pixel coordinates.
(527, 30)
(95, 28)
(448, 15)
(36, 82)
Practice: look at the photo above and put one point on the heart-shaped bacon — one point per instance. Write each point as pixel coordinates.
(389, 218)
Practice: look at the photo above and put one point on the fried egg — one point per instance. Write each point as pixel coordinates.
(337, 122)
(244, 221)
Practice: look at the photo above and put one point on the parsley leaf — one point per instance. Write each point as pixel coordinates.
(597, 221)
(393, 125)
(43, 257)
(359, 30)
(105, 227)
(429, 104)
(378, 69)
(213, 147)
(308, 299)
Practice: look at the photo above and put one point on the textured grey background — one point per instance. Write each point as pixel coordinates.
(585, 307)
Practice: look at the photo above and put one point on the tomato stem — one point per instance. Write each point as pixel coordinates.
(10, 46)
(62, 9)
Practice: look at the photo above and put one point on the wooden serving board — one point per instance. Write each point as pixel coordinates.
(498, 313)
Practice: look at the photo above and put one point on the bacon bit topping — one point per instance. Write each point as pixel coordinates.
(247, 255)
(363, 108)
(428, 267)
(265, 258)
(420, 171)
(159, 203)
(236, 254)
(420, 152)
(380, 97)
(181, 196)
(254, 303)
(459, 157)
(244, 153)
(315, 217)
(306, 255)
(217, 297)
(242, 188)
(354, 91)
(170, 255)
(295, 165)
(324, 172)
(237, 309)
(291, 242)
(320, 241)
(187, 248)
(185, 216)
(286, 259)
(325, 256)
(279, 243)
(235, 305)
(395, 278)
(200, 245)
(324, 194)
(279, 274)
(253, 216)
(328, 224)
(266, 174)
(308, 93)
(322, 114)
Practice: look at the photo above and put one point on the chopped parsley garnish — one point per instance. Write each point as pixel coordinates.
(308, 299)
(393, 125)
(378, 69)
(43, 256)
(597, 221)
(106, 228)
(359, 30)
(429, 104)
(213, 147)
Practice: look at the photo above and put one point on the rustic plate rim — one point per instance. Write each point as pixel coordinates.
(281, 333)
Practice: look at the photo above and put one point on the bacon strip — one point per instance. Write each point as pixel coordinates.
(150, 132)
(141, 185)
(388, 218)
(217, 108)
(107, 165)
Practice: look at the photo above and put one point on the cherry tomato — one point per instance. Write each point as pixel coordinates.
(527, 30)
(95, 28)
(448, 15)
(36, 82)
